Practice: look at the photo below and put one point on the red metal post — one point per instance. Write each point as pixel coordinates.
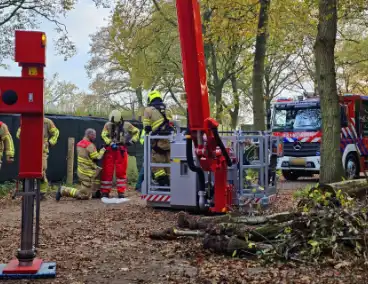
(24, 95)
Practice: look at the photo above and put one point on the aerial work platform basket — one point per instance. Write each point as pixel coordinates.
(252, 177)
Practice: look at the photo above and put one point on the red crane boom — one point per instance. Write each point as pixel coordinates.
(202, 129)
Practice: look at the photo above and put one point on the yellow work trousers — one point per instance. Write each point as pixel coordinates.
(44, 185)
(1, 152)
(88, 185)
(161, 154)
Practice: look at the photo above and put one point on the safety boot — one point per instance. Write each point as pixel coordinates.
(96, 195)
(121, 195)
(166, 180)
(58, 194)
(163, 181)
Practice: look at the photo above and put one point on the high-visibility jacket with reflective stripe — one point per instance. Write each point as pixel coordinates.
(50, 134)
(152, 117)
(141, 139)
(87, 152)
(120, 132)
(6, 141)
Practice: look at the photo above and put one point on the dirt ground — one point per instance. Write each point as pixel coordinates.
(97, 243)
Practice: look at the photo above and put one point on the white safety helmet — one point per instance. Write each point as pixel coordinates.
(115, 116)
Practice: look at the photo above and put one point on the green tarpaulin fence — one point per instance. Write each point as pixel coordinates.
(69, 126)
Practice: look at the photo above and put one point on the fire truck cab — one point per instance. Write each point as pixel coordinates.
(299, 123)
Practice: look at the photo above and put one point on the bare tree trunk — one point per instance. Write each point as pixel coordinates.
(217, 84)
(331, 163)
(138, 93)
(267, 93)
(258, 66)
(218, 101)
(235, 113)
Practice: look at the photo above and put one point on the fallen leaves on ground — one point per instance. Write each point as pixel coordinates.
(97, 243)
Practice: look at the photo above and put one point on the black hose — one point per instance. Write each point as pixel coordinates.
(222, 147)
(190, 160)
(193, 167)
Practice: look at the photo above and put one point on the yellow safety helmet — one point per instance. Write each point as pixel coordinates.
(154, 95)
(115, 116)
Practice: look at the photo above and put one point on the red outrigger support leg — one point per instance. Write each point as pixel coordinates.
(24, 95)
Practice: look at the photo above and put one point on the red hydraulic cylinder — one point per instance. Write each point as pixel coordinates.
(193, 61)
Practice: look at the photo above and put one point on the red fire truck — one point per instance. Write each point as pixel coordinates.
(299, 123)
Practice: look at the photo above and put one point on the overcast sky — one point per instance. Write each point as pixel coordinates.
(81, 22)
(84, 20)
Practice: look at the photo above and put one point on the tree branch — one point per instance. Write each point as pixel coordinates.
(158, 8)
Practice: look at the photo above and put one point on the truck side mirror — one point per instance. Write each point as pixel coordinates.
(343, 117)
(268, 119)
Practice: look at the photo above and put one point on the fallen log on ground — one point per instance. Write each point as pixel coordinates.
(354, 188)
(194, 223)
(172, 233)
(226, 245)
(328, 226)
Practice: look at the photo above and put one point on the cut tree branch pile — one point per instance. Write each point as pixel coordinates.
(327, 224)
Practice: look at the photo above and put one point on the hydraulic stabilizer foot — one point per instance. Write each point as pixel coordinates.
(26, 265)
(38, 269)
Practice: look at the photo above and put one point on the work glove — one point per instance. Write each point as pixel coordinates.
(10, 159)
(114, 146)
(129, 143)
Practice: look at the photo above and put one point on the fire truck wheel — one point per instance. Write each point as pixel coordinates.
(352, 166)
(290, 175)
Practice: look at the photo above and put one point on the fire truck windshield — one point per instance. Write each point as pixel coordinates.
(296, 119)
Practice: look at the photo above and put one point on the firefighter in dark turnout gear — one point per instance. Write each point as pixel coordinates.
(156, 121)
(115, 135)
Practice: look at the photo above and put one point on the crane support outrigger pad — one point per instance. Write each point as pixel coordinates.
(25, 95)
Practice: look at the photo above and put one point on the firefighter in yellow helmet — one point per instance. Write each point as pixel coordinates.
(6, 144)
(116, 134)
(87, 170)
(156, 121)
(50, 136)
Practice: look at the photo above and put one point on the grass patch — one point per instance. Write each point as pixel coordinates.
(6, 188)
(132, 171)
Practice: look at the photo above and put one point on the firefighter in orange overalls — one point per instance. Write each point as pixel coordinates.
(115, 135)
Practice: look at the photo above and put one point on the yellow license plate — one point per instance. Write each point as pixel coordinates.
(297, 162)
